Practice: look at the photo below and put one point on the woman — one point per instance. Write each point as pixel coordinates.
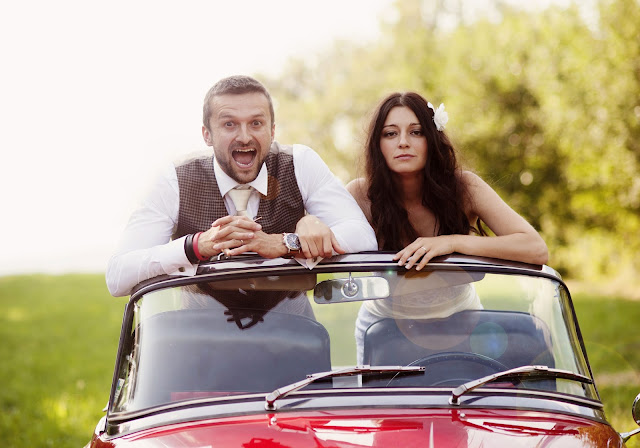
(422, 204)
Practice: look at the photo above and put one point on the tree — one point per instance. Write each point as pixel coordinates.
(544, 105)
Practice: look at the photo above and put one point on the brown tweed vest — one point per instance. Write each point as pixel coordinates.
(201, 202)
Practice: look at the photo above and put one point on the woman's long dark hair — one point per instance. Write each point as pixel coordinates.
(443, 193)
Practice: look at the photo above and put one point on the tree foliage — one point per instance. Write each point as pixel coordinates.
(544, 105)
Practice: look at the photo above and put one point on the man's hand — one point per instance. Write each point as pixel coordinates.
(316, 238)
(264, 244)
(227, 233)
(235, 235)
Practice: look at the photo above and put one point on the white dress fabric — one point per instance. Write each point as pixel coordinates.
(406, 303)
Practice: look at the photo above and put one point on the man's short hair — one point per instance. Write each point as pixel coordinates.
(234, 85)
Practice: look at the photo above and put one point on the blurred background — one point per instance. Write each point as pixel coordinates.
(97, 98)
(543, 99)
(544, 104)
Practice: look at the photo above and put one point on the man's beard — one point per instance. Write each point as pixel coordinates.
(230, 167)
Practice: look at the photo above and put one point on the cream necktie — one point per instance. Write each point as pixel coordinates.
(240, 197)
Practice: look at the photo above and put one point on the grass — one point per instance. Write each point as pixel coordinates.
(59, 339)
(609, 329)
(342, 317)
(60, 333)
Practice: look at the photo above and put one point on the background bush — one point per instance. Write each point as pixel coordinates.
(543, 105)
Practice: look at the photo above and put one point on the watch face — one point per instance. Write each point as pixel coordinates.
(292, 242)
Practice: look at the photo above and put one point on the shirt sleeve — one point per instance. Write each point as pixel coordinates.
(145, 249)
(325, 197)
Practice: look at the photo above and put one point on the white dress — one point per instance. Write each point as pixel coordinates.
(408, 302)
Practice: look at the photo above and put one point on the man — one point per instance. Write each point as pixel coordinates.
(295, 204)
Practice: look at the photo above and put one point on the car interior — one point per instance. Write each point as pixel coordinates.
(464, 346)
(189, 352)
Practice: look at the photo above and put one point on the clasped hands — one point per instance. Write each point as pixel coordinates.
(235, 235)
(424, 249)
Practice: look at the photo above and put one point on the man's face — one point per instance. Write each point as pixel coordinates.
(240, 133)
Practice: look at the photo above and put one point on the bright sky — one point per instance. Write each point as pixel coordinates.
(95, 97)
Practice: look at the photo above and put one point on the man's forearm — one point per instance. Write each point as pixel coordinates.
(355, 236)
(126, 270)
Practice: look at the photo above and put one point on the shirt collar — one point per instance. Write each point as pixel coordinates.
(226, 183)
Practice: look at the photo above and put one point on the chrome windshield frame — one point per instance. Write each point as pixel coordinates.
(249, 265)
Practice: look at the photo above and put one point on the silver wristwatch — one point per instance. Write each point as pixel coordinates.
(291, 241)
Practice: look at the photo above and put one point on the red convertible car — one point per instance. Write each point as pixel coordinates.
(358, 352)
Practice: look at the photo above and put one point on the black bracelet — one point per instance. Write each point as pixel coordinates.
(188, 249)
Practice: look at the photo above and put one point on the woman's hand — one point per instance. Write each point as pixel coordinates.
(424, 249)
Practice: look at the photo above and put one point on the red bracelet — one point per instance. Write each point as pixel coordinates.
(195, 247)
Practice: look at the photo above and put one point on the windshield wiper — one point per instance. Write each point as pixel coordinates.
(530, 371)
(283, 391)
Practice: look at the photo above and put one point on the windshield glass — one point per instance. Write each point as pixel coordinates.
(254, 335)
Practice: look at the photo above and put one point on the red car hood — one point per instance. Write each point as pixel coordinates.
(380, 428)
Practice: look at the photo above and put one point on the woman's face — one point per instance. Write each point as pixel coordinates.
(402, 142)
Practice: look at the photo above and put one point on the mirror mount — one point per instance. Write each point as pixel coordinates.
(350, 288)
(635, 413)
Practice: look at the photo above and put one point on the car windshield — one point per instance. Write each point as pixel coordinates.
(222, 337)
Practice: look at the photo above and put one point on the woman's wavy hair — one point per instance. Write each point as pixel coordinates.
(442, 193)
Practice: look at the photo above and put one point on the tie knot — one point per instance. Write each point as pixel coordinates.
(240, 197)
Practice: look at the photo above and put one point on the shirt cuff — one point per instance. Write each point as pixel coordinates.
(175, 261)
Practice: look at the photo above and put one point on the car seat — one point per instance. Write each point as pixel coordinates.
(499, 340)
(202, 351)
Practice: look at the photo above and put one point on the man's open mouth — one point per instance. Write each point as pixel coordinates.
(244, 157)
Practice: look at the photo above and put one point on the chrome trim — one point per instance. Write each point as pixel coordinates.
(255, 264)
(445, 392)
(627, 435)
(341, 400)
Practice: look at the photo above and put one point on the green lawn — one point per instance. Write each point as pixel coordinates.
(610, 330)
(59, 338)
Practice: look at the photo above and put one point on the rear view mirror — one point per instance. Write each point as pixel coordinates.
(351, 289)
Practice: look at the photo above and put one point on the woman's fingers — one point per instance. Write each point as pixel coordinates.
(406, 254)
(416, 255)
(426, 257)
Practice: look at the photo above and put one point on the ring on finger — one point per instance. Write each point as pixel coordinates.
(241, 241)
(424, 248)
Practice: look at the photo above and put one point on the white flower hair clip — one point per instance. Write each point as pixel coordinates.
(440, 117)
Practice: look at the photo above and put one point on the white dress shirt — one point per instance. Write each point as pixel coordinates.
(146, 249)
